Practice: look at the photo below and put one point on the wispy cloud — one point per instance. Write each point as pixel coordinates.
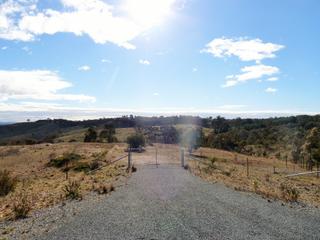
(273, 79)
(84, 68)
(250, 73)
(4, 48)
(27, 50)
(243, 48)
(271, 90)
(36, 84)
(194, 69)
(156, 94)
(144, 62)
(106, 61)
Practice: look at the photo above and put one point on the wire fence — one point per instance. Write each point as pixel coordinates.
(108, 164)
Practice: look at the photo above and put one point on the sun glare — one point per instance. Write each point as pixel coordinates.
(148, 13)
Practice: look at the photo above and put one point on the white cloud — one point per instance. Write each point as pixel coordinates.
(243, 48)
(144, 62)
(156, 94)
(194, 69)
(36, 84)
(4, 48)
(273, 79)
(271, 90)
(22, 20)
(106, 61)
(84, 68)
(250, 73)
(27, 50)
(9, 28)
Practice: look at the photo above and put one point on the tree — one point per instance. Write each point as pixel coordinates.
(220, 125)
(312, 146)
(91, 135)
(107, 134)
(136, 141)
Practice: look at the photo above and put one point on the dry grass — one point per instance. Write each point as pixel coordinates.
(79, 133)
(266, 176)
(45, 185)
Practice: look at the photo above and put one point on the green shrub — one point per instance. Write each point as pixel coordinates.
(72, 190)
(63, 160)
(136, 141)
(82, 167)
(7, 183)
(91, 135)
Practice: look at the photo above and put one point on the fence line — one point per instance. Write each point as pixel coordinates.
(108, 164)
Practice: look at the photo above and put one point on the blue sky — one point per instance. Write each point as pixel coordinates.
(81, 59)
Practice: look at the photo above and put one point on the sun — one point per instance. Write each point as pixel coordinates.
(148, 13)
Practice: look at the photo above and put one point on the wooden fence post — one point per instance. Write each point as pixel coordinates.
(247, 167)
(156, 156)
(286, 161)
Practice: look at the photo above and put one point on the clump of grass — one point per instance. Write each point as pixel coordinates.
(86, 167)
(7, 183)
(267, 177)
(72, 190)
(63, 160)
(255, 186)
(21, 205)
(94, 165)
(289, 193)
(104, 188)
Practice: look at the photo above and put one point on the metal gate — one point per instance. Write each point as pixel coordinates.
(158, 154)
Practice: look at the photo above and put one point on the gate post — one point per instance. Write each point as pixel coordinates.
(182, 157)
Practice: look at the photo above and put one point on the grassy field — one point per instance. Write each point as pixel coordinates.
(77, 134)
(44, 185)
(267, 176)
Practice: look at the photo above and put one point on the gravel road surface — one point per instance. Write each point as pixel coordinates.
(169, 203)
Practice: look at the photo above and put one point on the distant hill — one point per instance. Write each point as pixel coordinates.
(275, 136)
(46, 130)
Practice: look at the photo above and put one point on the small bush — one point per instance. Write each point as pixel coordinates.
(7, 183)
(211, 162)
(94, 165)
(136, 141)
(104, 188)
(72, 190)
(82, 167)
(133, 168)
(21, 205)
(63, 160)
(289, 193)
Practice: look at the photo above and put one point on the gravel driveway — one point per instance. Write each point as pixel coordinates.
(169, 203)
